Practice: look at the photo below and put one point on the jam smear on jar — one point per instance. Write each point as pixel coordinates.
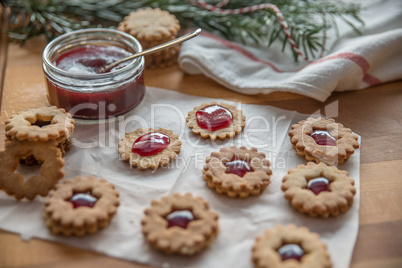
(91, 59)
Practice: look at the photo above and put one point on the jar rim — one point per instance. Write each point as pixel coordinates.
(58, 40)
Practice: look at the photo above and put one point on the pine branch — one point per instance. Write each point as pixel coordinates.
(307, 20)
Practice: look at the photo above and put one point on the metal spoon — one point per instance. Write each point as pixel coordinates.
(152, 50)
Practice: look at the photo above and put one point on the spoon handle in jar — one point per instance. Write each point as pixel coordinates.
(155, 49)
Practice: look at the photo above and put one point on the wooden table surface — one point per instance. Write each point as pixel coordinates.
(374, 113)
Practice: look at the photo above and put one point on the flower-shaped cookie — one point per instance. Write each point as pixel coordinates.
(81, 206)
(153, 27)
(41, 124)
(213, 120)
(319, 190)
(150, 25)
(180, 224)
(149, 148)
(290, 246)
(237, 172)
(51, 171)
(323, 140)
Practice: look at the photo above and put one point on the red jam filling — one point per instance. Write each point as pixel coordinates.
(238, 167)
(90, 59)
(291, 251)
(322, 137)
(318, 185)
(179, 218)
(83, 200)
(214, 117)
(150, 144)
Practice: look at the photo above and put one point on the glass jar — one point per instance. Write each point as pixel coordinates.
(97, 95)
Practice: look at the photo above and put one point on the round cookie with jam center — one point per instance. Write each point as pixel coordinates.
(290, 246)
(80, 206)
(237, 172)
(213, 120)
(180, 224)
(149, 148)
(323, 140)
(319, 190)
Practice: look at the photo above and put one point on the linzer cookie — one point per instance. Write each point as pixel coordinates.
(290, 246)
(152, 27)
(237, 172)
(323, 140)
(41, 124)
(319, 190)
(180, 224)
(14, 183)
(213, 120)
(149, 148)
(80, 206)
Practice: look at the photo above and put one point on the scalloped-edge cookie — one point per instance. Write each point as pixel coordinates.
(323, 140)
(149, 148)
(216, 120)
(180, 224)
(290, 246)
(13, 183)
(41, 124)
(150, 25)
(237, 172)
(319, 190)
(153, 27)
(80, 206)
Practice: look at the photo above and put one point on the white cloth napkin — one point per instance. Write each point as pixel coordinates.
(240, 221)
(351, 61)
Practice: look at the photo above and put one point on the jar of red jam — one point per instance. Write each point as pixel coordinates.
(73, 64)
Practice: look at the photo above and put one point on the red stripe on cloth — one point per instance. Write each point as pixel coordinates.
(240, 50)
(371, 80)
(359, 60)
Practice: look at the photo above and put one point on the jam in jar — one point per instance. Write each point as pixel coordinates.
(72, 64)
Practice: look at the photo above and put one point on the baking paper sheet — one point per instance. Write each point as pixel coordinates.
(94, 152)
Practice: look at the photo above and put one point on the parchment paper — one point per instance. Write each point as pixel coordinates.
(94, 153)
